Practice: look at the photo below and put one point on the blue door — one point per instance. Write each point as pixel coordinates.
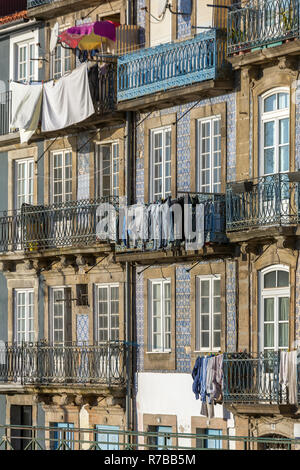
(214, 443)
(105, 440)
(63, 438)
(164, 442)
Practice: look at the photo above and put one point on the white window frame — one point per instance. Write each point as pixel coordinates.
(29, 334)
(211, 313)
(63, 178)
(63, 290)
(27, 196)
(152, 179)
(65, 58)
(109, 328)
(22, 39)
(276, 293)
(274, 116)
(163, 316)
(201, 187)
(114, 146)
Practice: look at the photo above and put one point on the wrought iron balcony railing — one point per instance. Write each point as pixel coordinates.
(257, 23)
(46, 364)
(38, 3)
(154, 228)
(5, 112)
(170, 65)
(59, 225)
(254, 378)
(265, 201)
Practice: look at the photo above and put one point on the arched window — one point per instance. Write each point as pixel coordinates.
(274, 287)
(274, 132)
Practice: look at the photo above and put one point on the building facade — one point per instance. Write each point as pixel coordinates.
(194, 104)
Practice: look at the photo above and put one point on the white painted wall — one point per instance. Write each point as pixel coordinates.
(160, 29)
(204, 15)
(171, 394)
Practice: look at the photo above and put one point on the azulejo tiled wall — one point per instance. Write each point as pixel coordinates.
(184, 143)
(231, 323)
(183, 315)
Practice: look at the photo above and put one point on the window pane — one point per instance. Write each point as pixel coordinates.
(269, 309)
(270, 103)
(283, 278)
(270, 279)
(283, 335)
(284, 308)
(205, 340)
(283, 100)
(269, 335)
(269, 134)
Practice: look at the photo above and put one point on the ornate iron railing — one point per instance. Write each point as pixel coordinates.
(253, 378)
(214, 224)
(38, 3)
(53, 437)
(265, 201)
(107, 86)
(46, 364)
(5, 112)
(257, 23)
(170, 65)
(58, 225)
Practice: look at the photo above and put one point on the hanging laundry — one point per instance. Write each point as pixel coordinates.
(288, 374)
(67, 100)
(193, 224)
(26, 108)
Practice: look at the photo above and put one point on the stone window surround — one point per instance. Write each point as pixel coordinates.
(21, 283)
(160, 420)
(205, 423)
(203, 112)
(61, 144)
(108, 136)
(270, 258)
(165, 360)
(67, 278)
(206, 270)
(152, 124)
(20, 154)
(271, 81)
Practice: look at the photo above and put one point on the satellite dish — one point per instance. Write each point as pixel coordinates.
(163, 5)
(54, 37)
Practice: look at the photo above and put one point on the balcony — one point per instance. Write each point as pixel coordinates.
(251, 378)
(39, 228)
(255, 24)
(170, 236)
(168, 66)
(45, 364)
(265, 202)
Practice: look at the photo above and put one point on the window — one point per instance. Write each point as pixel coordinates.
(62, 438)
(60, 315)
(105, 439)
(160, 315)
(21, 415)
(160, 174)
(61, 61)
(23, 56)
(107, 169)
(274, 308)
(161, 442)
(202, 443)
(24, 182)
(208, 313)
(82, 297)
(24, 315)
(61, 176)
(107, 311)
(274, 135)
(209, 155)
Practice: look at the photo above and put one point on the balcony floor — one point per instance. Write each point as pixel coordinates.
(265, 54)
(189, 93)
